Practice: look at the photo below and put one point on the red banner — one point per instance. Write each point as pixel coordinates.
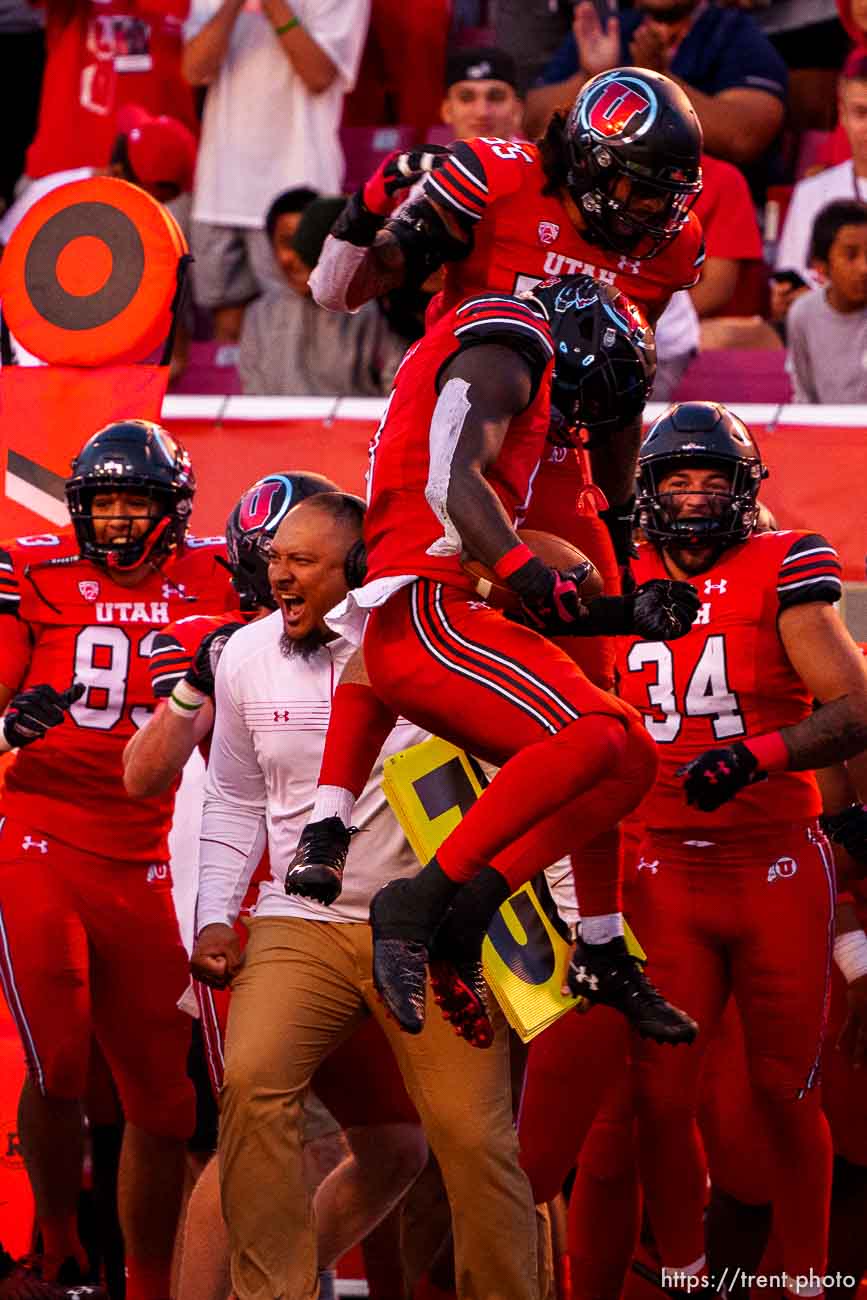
(816, 471)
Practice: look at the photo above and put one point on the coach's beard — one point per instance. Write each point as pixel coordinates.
(305, 646)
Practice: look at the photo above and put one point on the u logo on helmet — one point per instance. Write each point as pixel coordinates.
(618, 106)
(265, 504)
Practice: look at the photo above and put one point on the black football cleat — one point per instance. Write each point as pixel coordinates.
(608, 975)
(459, 990)
(22, 1280)
(316, 870)
(400, 955)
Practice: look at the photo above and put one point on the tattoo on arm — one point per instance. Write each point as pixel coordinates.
(836, 731)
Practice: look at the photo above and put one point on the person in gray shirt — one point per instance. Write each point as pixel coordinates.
(290, 346)
(827, 329)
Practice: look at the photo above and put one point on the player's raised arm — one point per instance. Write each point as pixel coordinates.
(376, 247)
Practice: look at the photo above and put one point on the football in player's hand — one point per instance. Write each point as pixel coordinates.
(554, 551)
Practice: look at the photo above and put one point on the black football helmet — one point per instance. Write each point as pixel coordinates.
(139, 456)
(604, 355)
(633, 147)
(254, 521)
(697, 435)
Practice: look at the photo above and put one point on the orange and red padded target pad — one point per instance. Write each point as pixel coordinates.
(89, 274)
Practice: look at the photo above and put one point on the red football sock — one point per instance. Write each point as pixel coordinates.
(604, 1211)
(60, 1240)
(800, 1140)
(597, 869)
(534, 787)
(148, 1279)
(359, 727)
(670, 1142)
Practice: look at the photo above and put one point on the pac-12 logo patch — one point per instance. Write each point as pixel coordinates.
(617, 105)
(89, 588)
(782, 869)
(548, 231)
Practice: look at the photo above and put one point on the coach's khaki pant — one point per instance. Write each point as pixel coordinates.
(304, 986)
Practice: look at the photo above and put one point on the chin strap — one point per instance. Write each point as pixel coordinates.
(156, 533)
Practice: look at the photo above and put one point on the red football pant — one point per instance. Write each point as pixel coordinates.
(751, 918)
(90, 946)
(844, 1095)
(574, 759)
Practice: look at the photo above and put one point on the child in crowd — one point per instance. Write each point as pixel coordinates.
(290, 346)
(827, 328)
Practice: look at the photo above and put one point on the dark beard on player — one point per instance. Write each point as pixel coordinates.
(305, 646)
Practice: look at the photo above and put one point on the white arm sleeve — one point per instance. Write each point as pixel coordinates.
(334, 273)
(233, 819)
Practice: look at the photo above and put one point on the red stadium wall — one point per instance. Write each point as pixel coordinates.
(817, 457)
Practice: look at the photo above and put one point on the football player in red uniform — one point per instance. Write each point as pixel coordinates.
(380, 1121)
(450, 466)
(607, 192)
(737, 882)
(90, 942)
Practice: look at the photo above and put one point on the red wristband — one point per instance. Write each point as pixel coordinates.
(771, 751)
(512, 561)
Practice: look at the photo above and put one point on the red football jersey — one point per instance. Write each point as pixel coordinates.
(407, 529)
(729, 677)
(108, 53)
(82, 626)
(174, 647)
(521, 236)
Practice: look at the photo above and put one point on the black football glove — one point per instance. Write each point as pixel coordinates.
(550, 598)
(663, 610)
(718, 774)
(35, 711)
(202, 671)
(848, 829)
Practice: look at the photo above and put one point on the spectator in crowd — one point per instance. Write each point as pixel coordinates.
(848, 180)
(282, 220)
(731, 234)
(677, 342)
(401, 70)
(99, 58)
(531, 31)
(22, 58)
(482, 94)
(827, 328)
(156, 153)
(731, 72)
(276, 76)
(812, 42)
(292, 346)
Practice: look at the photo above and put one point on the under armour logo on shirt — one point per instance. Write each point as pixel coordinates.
(715, 586)
(29, 843)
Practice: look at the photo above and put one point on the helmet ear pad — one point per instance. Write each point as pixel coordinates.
(355, 564)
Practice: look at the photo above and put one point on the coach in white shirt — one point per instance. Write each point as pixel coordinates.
(305, 979)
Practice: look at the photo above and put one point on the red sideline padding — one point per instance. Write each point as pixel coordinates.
(817, 457)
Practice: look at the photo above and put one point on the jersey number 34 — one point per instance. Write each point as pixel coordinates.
(708, 694)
